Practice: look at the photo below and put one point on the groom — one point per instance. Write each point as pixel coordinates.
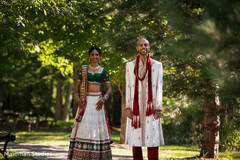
(144, 103)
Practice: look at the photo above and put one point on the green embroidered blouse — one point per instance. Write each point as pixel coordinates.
(97, 77)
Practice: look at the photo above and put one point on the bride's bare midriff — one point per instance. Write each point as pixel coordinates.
(93, 87)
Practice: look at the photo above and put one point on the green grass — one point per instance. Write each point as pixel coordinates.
(231, 155)
(59, 135)
(45, 136)
(169, 151)
(115, 132)
(166, 152)
(179, 152)
(51, 138)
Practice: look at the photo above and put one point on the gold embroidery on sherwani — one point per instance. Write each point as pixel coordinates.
(143, 93)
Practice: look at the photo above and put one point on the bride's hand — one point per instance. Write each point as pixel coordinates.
(99, 105)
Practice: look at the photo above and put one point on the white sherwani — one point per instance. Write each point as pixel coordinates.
(150, 133)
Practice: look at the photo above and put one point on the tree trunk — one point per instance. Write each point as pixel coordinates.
(210, 143)
(67, 105)
(27, 98)
(123, 115)
(1, 102)
(11, 103)
(50, 98)
(58, 106)
(75, 79)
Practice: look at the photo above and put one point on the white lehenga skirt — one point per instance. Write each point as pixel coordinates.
(90, 138)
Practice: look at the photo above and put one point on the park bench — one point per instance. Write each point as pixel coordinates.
(5, 135)
(27, 121)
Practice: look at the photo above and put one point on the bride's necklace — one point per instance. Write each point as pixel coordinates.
(94, 68)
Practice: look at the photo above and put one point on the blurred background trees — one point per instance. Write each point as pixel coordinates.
(44, 43)
(210, 45)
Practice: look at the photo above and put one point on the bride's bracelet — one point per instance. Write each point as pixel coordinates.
(101, 99)
(105, 97)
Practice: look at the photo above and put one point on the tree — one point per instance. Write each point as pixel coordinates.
(187, 36)
(204, 48)
(56, 33)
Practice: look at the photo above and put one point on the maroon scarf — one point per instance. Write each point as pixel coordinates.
(149, 111)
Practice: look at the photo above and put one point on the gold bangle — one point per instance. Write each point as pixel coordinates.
(101, 99)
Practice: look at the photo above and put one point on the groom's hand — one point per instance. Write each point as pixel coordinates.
(129, 113)
(157, 114)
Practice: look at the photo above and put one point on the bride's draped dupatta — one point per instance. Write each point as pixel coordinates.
(83, 93)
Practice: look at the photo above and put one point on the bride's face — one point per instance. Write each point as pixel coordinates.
(94, 56)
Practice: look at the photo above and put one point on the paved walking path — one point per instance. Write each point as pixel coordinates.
(44, 152)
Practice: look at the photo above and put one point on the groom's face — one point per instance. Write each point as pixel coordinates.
(143, 47)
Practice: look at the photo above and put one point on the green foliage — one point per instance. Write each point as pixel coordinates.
(230, 135)
(22, 79)
(43, 39)
(182, 121)
(209, 48)
(134, 19)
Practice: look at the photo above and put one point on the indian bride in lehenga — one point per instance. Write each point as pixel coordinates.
(90, 137)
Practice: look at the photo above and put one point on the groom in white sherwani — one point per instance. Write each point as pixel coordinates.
(144, 103)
